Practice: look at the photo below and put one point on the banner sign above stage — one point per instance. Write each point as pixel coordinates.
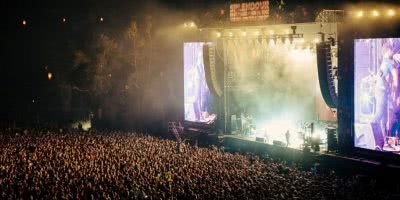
(249, 12)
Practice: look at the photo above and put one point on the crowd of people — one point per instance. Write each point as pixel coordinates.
(57, 164)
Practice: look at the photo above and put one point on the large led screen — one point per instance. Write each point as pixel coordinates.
(377, 94)
(197, 96)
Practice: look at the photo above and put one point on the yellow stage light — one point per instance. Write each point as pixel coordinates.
(375, 13)
(391, 13)
(192, 24)
(360, 14)
(218, 34)
(49, 76)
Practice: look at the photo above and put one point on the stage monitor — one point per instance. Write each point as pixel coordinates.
(377, 94)
(197, 96)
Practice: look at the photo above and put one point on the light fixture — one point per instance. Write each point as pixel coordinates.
(375, 13)
(49, 76)
(360, 14)
(391, 13)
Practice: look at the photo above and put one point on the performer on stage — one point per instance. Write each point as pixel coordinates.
(287, 135)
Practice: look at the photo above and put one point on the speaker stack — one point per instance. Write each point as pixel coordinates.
(332, 139)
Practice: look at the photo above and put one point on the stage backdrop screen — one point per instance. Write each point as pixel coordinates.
(197, 96)
(377, 94)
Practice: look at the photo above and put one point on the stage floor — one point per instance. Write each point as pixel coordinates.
(296, 144)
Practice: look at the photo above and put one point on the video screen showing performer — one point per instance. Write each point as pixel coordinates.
(377, 94)
(197, 96)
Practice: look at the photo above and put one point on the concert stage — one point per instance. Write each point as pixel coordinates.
(346, 164)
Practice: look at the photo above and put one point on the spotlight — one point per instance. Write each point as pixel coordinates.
(391, 13)
(49, 76)
(24, 22)
(192, 24)
(218, 34)
(230, 34)
(360, 14)
(101, 19)
(64, 20)
(375, 13)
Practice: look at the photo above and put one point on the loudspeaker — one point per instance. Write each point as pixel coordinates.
(332, 139)
(210, 69)
(325, 74)
(279, 143)
(260, 139)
